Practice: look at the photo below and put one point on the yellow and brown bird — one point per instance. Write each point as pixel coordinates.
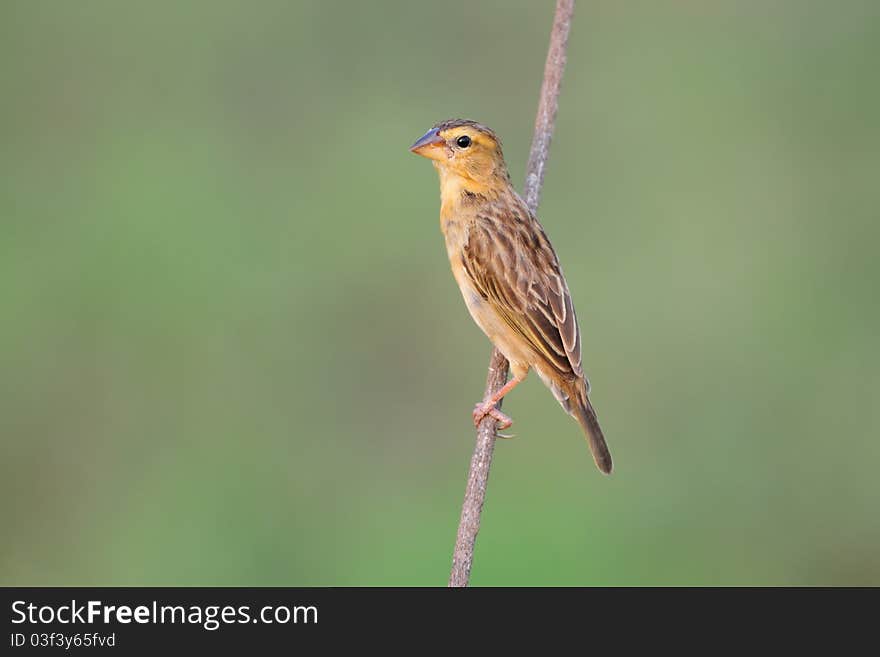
(508, 273)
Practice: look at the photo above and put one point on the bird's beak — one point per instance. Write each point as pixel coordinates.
(429, 145)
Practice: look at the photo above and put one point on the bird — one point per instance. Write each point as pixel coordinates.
(508, 273)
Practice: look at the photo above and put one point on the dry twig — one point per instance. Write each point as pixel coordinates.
(478, 476)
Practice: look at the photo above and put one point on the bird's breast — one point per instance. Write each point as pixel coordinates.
(455, 230)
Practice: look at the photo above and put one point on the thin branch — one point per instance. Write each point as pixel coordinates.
(478, 477)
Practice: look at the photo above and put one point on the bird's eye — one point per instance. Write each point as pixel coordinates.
(463, 142)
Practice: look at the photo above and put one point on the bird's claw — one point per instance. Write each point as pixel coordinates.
(483, 409)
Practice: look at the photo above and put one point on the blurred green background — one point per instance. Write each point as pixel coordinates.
(232, 352)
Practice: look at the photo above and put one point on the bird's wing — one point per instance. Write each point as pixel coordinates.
(514, 268)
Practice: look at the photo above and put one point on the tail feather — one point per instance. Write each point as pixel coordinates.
(582, 411)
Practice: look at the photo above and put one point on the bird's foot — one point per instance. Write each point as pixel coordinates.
(485, 408)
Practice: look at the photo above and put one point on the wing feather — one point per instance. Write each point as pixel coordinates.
(513, 266)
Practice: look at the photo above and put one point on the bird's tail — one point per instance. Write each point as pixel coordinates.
(582, 411)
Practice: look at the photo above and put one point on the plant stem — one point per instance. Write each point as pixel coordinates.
(481, 461)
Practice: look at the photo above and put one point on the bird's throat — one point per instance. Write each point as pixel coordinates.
(458, 189)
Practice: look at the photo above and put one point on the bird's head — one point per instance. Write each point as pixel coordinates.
(466, 150)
